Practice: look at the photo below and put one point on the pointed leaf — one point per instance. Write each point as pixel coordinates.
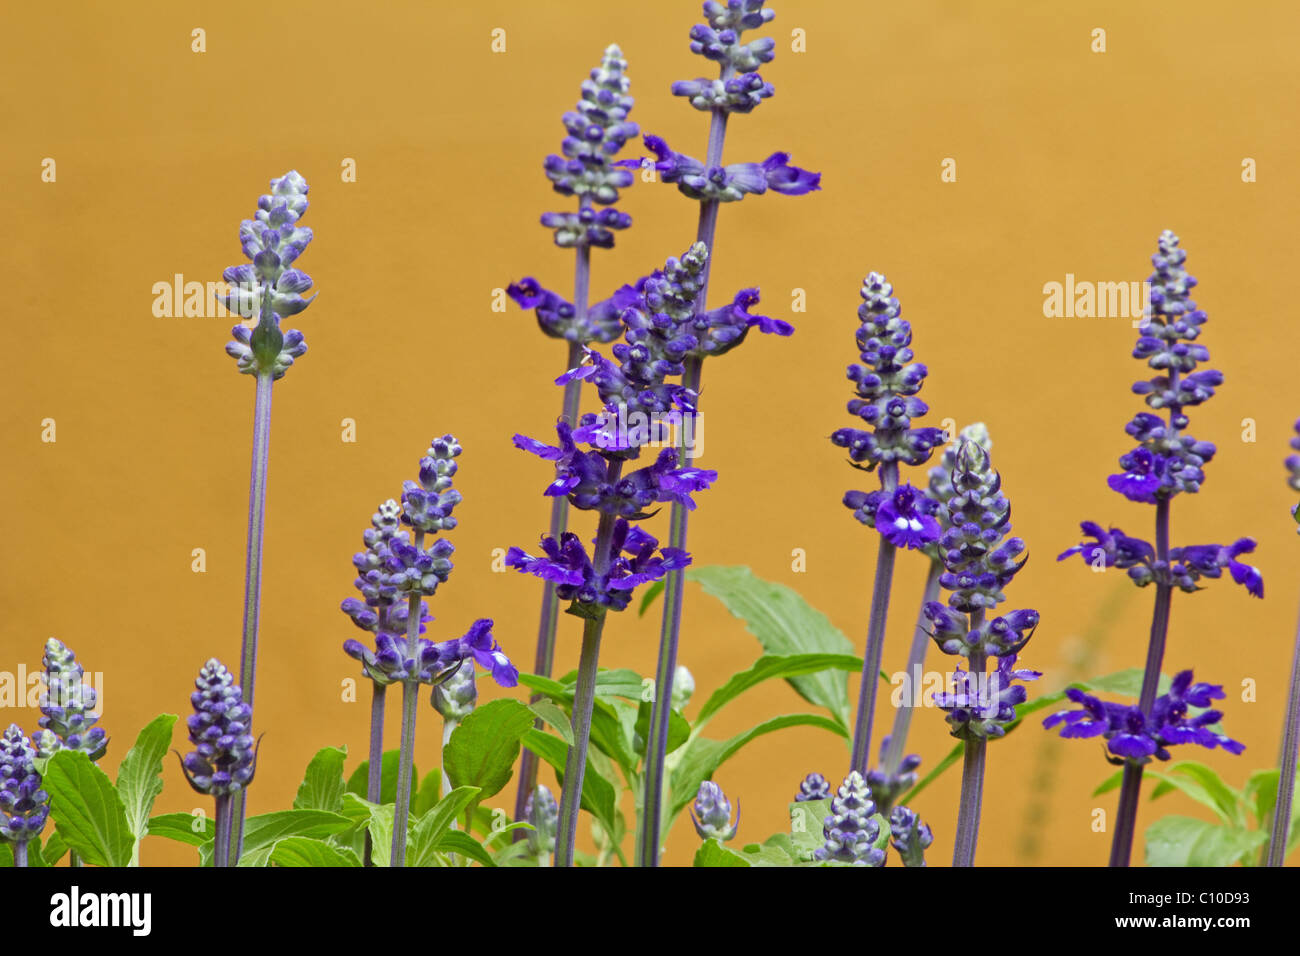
(139, 777)
(784, 624)
(482, 750)
(303, 851)
(322, 785)
(87, 810)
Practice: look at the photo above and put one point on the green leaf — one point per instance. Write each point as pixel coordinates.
(378, 819)
(429, 830)
(784, 624)
(1110, 783)
(1260, 792)
(428, 794)
(139, 777)
(1184, 841)
(770, 666)
(482, 750)
(54, 849)
(456, 841)
(267, 828)
(322, 785)
(387, 778)
(546, 710)
(597, 791)
(87, 809)
(180, 827)
(679, 729)
(702, 757)
(652, 594)
(303, 851)
(713, 853)
(806, 821)
(1204, 786)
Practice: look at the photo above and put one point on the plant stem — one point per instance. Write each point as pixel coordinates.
(972, 771)
(648, 833)
(559, 524)
(410, 708)
(1287, 763)
(222, 818)
(584, 694)
(20, 853)
(661, 707)
(375, 767)
(1121, 847)
(893, 758)
(875, 637)
(448, 728)
(253, 576)
(575, 765)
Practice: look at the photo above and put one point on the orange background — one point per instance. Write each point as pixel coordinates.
(1068, 161)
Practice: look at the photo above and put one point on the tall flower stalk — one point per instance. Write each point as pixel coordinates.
(1165, 463)
(397, 569)
(887, 385)
(68, 715)
(269, 288)
(597, 129)
(979, 560)
(738, 89)
(896, 772)
(590, 470)
(1291, 720)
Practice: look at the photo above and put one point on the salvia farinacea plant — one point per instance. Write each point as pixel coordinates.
(619, 469)
(1165, 462)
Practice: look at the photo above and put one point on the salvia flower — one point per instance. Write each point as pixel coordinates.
(455, 697)
(851, 830)
(730, 183)
(711, 813)
(67, 705)
(224, 757)
(1293, 466)
(813, 787)
(597, 130)
(887, 384)
(557, 317)
(982, 705)
(270, 288)
(1182, 715)
(909, 836)
(543, 813)
(24, 806)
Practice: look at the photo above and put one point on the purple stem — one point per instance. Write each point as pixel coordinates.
(1286, 782)
(222, 819)
(584, 696)
(894, 751)
(545, 659)
(375, 769)
(972, 771)
(1121, 848)
(410, 706)
(253, 577)
(20, 853)
(648, 834)
(875, 637)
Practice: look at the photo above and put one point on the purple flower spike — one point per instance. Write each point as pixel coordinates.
(24, 806)
(224, 756)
